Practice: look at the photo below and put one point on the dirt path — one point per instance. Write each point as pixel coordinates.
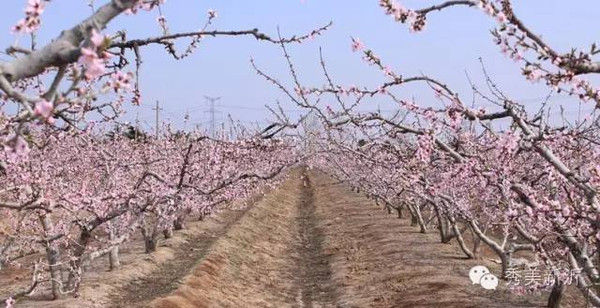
(271, 258)
(314, 243)
(140, 292)
(314, 266)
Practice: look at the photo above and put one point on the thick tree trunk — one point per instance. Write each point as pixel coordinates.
(413, 220)
(150, 240)
(459, 239)
(113, 258)
(589, 293)
(413, 216)
(442, 226)
(556, 294)
(179, 223)
(52, 255)
(419, 217)
(168, 233)
(399, 211)
(113, 254)
(504, 255)
(77, 259)
(476, 245)
(150, 244)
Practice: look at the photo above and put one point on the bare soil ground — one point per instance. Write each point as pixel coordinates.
(317, 244)
(142, 277)
(382, 261)
(165, 279)
(309, 243)
(271, 258)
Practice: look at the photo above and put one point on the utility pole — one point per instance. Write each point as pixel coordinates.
(212, 111)
(186, 119)
(157, 109)
(137, 124)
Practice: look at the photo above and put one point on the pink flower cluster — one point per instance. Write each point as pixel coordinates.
(488, 8)
(44, 110)
(32, 20)
(144, 5)
(357, 45)
(120, 82)
(162, 22)
(92, 63)
(10, 302)
(16, 148)
(400, 13)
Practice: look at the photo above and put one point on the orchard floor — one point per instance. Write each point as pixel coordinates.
(311, 243)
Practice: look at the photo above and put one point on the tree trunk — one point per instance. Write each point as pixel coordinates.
(459, 239)
(589, 293)
(556, 294)
(419, 217)
(442, 227)
(150, 244)
(413, 216)
(504, 255)
(113, 258)
(476, 244)
(150, 240)
(399, 211)
(75, 263)
(179, 223)
(168, 233)
(113, 254)
(52, 255)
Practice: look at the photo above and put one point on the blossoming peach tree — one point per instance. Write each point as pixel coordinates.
(82, 63)
(515, 181)
(77, 198)
(70, 194)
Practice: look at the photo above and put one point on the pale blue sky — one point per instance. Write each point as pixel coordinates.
(451, 44)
